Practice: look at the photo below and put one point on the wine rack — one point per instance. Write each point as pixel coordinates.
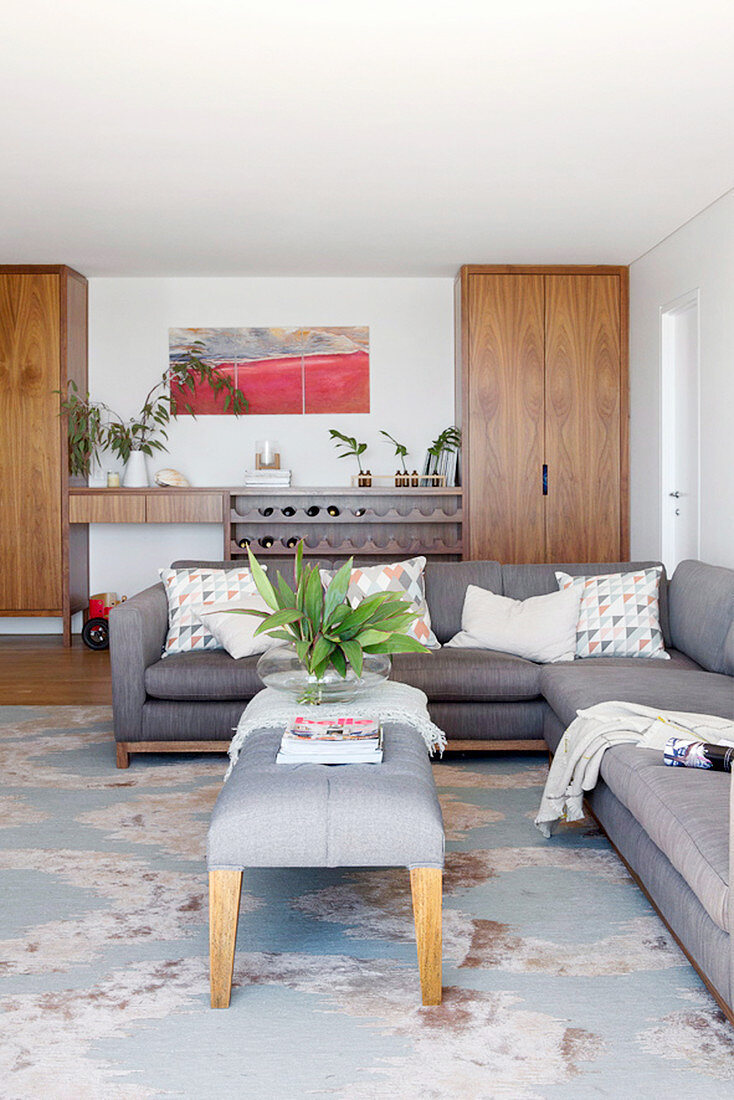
(336, 522)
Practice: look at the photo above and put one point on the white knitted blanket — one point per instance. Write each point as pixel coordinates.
(575, 766)
(389, 702)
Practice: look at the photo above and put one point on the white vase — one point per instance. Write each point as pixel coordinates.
(136, 471)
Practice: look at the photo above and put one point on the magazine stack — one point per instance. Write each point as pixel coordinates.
(331, 741)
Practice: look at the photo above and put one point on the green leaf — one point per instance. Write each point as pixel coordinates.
(302, 650)
(279, 618)
(337, 660)
(246, 611)
(298, 564)
(396, 624)
(321, 651)
(372, 637)
(353, 652)
(313, 600)
(319, 670)
(287, 595)
(337, 590)
(262, 583)
(281, 635)
(398, 643)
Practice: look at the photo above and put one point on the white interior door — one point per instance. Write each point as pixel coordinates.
(680, 430)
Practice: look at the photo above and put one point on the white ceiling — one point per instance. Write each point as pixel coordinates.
(309, 137)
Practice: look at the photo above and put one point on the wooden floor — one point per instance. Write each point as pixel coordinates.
(39, 669)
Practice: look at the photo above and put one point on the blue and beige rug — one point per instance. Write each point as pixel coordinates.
(559, 980)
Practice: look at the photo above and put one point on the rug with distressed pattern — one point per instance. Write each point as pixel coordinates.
(559, 979)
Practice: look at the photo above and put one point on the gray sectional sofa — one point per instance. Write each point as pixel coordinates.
(671, 826)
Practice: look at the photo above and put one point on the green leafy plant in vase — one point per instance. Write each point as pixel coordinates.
(338, 649)
(350, 446)
(402, 478)
(94, 427)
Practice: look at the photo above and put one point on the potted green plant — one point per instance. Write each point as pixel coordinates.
(402, 477)
(94, 427)
(333, 650)
(447, 441)
(350, 446)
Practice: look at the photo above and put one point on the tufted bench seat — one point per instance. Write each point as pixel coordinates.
(316, 815)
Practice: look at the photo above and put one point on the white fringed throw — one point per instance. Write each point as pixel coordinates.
(575, 766)
(388, 702)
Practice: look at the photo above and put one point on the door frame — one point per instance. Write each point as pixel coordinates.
(667, 313)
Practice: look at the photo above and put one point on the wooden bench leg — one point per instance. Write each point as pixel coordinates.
(224, 911)
(123, 756)
(427, 889)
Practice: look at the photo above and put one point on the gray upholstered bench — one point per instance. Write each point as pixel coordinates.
(313, 815)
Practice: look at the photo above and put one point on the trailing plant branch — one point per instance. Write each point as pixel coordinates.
(94, 427)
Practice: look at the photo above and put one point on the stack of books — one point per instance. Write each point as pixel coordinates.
(331, 741)
(267, 478)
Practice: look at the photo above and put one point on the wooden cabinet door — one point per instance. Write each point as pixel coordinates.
(583, 417)
(503, 410)
(30, 444)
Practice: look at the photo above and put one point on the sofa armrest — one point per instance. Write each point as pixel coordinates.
(137, 635)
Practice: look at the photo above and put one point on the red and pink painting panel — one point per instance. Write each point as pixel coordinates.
(281, 370)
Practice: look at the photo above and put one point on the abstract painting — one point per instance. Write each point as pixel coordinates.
(283, 370)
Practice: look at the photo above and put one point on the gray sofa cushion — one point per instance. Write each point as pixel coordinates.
(212, 674)
(308, 815)
(522, 581)
(446, 584)
(669, 685)
(701, 600)
(464, 675)
(685, 811)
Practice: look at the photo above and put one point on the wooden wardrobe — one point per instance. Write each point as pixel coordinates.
(43, 344)
(542, 389)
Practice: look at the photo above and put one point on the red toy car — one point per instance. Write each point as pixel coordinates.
(96, 630)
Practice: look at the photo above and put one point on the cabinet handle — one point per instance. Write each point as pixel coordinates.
(545, 479)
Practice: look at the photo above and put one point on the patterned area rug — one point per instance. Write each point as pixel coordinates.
(559, 980)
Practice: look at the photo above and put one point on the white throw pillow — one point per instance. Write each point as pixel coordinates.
(236, 633)
(541, 628)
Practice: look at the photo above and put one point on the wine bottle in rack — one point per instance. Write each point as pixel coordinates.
(313, 510)
(358, 512)
(266, 511)
(291, 542)
(333, 510)
(289, 510)
(243, 543)
(266, 541)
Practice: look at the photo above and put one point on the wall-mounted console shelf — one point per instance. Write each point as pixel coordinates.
(369, 523)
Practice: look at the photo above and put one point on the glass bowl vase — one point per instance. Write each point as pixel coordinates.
(281, 669)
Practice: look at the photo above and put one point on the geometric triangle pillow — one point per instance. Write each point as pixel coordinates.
(619, 614)
(405, 579)
(191, 591)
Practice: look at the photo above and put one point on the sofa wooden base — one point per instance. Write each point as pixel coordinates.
(126, 748)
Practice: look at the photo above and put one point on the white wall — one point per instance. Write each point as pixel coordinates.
(411, 383)
(700, 256)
